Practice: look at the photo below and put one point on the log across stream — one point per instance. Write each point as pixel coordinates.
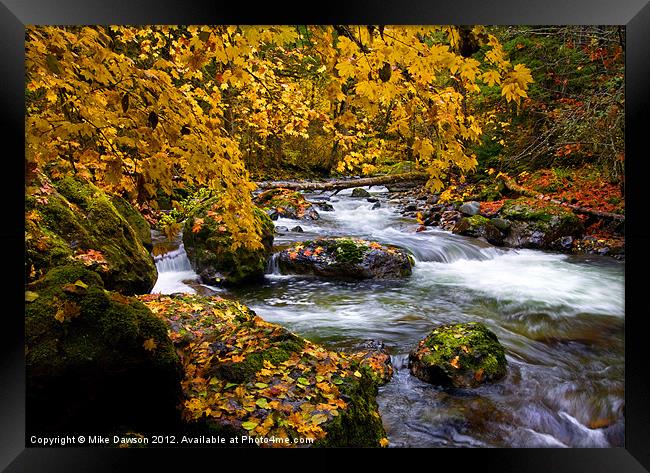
(560, 318)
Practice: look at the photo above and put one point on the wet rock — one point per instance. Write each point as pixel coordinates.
(286, 203)
(500, 223)
(449, 218)
(372, 199)
(376, 206)
(210, 249)
(539, 224)
(470, 208)
(459, 355)
(297, 228)
(433, 199)
(359, 192)
(411, 207)
(566, 242)
(86, 349)
(346, 258)
(281, 228)
(478, 226)
(374, 356)
(324, 206)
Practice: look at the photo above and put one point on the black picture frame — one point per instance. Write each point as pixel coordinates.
(634, 14)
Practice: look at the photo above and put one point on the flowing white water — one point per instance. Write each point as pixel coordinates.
(173, 269)
(560, 318)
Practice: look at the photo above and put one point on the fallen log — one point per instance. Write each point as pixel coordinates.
(346, 183)
(510, 184)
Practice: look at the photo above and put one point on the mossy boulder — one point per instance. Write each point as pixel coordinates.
(539, 224)
(245, 376)
(73, 220)
(135, 219)
(459, 355)
(96, 360)
(479, 227)
(280, 202)
(210, 249)
(346, 258)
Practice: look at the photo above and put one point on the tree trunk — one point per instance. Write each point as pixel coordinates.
(347, 183)
(513, 186)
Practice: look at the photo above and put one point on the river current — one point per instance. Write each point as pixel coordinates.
(560, 318)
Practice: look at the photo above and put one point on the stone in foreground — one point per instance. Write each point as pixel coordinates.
(248, 377)
(96, 360)
(346, 258)
(459, 355)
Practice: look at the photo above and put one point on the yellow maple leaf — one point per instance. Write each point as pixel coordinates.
(149, 344)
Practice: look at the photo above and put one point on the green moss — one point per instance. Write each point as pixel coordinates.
(69, 274)
(210, 249)
(95, 351)
(359, 425)
(346, 250)
(107, 322)
(477, 221)
(75, 217)
(134, 218)
(76, 191)
(462, 354)
(529, 209)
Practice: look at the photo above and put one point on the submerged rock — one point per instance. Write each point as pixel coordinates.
(72, 220)
(245, 376)
(459, 355)
(280, 202)
(297, 229)
(96, 360)
(210, 249)
(360, 192)
(346, 258)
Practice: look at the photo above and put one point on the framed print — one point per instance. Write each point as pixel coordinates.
(390, 227)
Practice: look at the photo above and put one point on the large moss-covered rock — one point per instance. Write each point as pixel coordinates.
(210, 249)
(459, 355)
(73, 220)
(346, 258)
(135, 219)
(248, 377)
(96, 360)
(286, 203)
(539, 224)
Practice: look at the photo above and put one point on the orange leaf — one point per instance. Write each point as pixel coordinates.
(455, 362)
(198, 223)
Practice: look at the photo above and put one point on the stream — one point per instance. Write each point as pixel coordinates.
(560, 318)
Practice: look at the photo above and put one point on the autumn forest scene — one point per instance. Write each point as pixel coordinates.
(308, 236)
